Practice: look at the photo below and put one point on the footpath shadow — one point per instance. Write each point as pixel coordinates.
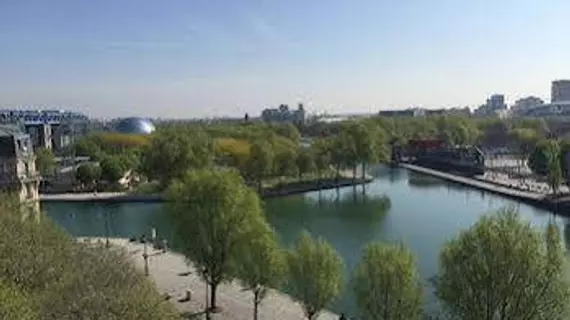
(193, 315)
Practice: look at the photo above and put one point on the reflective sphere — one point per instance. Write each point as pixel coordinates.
(135, 126)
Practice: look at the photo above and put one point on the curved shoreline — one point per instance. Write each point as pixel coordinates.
(169, 273)
(282, 191)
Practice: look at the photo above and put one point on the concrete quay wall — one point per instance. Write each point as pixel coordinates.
(124, 197)
(560, 205)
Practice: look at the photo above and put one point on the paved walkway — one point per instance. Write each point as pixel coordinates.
(165, 270)
(478, 183)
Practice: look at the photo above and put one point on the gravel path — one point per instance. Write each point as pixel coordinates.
(166, 269)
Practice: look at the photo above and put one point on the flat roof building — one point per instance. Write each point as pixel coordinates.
(560, 91)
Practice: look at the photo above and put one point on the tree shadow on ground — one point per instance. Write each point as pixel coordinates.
(193, 315)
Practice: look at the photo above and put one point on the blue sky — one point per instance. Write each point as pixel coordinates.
(192, 58)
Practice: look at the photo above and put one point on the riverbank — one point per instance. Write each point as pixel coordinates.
(537, 199)
(288, 189)
(169, 272)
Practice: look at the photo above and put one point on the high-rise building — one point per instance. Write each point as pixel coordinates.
(560, 91)
(496, 102)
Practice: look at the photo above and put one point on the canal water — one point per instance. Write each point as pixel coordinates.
(422, 212)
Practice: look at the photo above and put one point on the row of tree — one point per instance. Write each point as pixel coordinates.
(261, 155)
(262, 151)
(500, 268)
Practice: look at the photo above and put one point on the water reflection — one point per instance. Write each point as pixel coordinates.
(386, 172)
(417, 180)
(353, 215)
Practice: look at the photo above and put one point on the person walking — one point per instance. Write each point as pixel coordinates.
(342, 317)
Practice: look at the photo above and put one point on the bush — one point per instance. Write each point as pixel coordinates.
(68, 280)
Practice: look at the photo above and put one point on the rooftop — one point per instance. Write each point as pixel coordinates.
(9, 130)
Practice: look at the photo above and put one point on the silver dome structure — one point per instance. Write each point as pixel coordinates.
(135, 125)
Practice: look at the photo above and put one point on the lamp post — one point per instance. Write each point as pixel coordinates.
(145, 256)
(107, 244)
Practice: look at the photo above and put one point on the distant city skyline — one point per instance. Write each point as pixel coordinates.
(191, 59)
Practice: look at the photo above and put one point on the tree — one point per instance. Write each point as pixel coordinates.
(315, 270)
(260, 162)
(525, 140)
(348, 153)
(386, 283)
(88, 173)
(111, 169)
(538, 159)
(321, 152)
(261, 265)
(111, 289)
(45, 161)
(172, 152)
(213, 214)
(88, 147)
(501, 268)
(14, 304)
(61, 278)
(554, 167)
(305, 162)
(289, 131)
(285, 155)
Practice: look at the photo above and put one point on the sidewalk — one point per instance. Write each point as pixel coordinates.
(165, 270)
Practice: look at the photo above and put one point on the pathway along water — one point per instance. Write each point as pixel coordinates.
(424, 213)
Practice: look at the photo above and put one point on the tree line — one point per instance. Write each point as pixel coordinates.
(262, 152)
(499, 268)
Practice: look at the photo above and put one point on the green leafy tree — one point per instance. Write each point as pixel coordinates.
(538, 159)
(337, 147)
(285, 164)
(322, 155)
(213, 214)
(387, 284)
(348, 143)
(111, 289)
(261, 265)
(45, 162)
(305, 162)
(87, 147)
(88, 173)
(289, 131)
(524, 140)
(501, 268)
(14, 304)
(64, 279)
(173, 151)
(554, 167)
(315, 274)
(112, 169)
(260, 162)
(366, 145)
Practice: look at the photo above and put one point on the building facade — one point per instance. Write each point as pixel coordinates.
(560, 91)
(18, 174)
(284, 114)
(412, 112)
(524, 105)
(557, 109)
(494, 106)
(47, 128)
